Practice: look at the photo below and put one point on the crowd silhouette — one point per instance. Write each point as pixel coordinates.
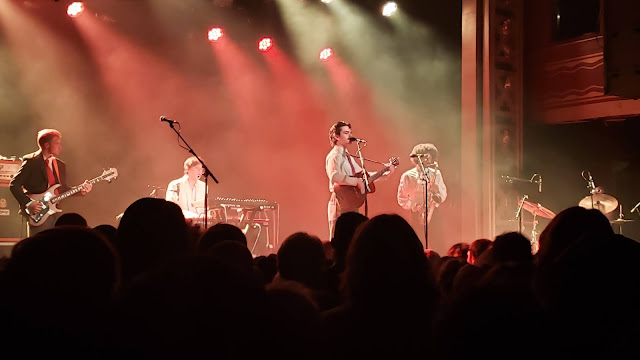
(155, 287)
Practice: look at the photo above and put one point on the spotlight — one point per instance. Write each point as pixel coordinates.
(265, 44)
(75, 9)
(389, 8)
(327, 1)
(215, 34)
(326, 54)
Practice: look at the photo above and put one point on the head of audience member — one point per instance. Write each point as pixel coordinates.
(567, 227)
(110, 232)
(434, 260)
(301, 258)
(511, 247)
(218, 233)
(196, 305)
(151, 232)
(71, 219)
(60, 271)
(234, 253)
(477, 248)
(459, 251)
(267, 265)
(386, 263)
(346, 226)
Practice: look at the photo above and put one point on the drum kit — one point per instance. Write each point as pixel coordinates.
(595, 200)
(603, 202)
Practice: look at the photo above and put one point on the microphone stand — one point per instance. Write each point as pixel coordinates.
(365, 176)
(207, 173)
(426, 206)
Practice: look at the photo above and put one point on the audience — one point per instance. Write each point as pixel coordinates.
(151, 288)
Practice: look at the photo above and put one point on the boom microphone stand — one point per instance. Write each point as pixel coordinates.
(207, 173)
(365, 176)
(425, 180)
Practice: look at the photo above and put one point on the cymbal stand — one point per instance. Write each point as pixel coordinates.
(534, 234)
(636, 208)
(621, 217)
(519, 213)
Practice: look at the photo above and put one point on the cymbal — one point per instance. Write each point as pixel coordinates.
(538, 210)
(603, 202)
(621, 221)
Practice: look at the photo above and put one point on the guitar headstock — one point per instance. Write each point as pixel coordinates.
(110, 174)
(394, 161)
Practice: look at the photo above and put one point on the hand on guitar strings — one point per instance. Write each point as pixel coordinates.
(361, 186)
(34, 207)
(86, 187)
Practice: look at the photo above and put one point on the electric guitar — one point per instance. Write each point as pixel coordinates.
(49, 199)
(350, 197)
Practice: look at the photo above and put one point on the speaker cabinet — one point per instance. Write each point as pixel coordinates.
(622, 48)
(12, 227)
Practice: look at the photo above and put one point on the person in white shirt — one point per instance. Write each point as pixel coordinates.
(342, 170)
(188, 191)
(411, 190)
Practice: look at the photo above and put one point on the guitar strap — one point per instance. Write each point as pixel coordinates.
(353, 169)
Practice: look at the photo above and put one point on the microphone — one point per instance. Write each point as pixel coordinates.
(591, 184)
(635, 207)
(540, 184)
(162, 118)
(352, 139)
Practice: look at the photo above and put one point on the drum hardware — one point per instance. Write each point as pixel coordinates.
(597, 199)
(536, 210)
(636, 208)
(620, 220)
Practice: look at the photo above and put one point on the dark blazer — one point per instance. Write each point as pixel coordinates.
(32, 177)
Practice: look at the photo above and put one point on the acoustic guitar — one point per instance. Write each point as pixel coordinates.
(350, 197)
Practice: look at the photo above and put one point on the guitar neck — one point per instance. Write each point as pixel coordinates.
(378, 174)
(74, 190)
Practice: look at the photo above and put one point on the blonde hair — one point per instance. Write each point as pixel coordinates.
(190, 162)
(46, 135)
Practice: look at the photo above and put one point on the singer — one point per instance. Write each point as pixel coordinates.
(411, 188)
(188, 192)
(343, 171)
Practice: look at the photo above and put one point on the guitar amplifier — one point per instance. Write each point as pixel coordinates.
(12, 227)
(8, 169)
(11, 222)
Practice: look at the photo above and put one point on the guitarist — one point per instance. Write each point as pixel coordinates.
(341, 168)
(411, 189)
(39, 171)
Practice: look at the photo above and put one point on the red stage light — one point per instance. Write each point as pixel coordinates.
(75, 9)
(265, 44)
(326, 54)
(215, 34)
